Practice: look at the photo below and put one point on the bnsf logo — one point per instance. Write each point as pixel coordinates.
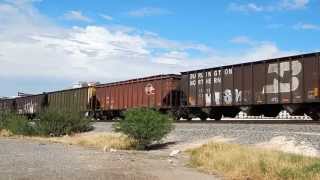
(149, 89)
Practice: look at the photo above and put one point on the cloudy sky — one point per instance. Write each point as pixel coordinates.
(49, 44)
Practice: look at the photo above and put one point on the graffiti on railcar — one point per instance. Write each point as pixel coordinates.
(284, 79)
(208, 80)
(228, 94)
(209, 86)
(28, 108)
(277, 84)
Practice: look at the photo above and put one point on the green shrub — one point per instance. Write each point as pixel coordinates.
(146, 126)
(3, 119)
(57, 123)
(17, 124)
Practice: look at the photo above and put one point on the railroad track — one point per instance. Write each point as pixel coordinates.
(254, 121)
(244, 121)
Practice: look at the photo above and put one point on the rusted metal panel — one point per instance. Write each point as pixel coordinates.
(30, 104)
(311, 82)
(155, 91)
(297, 80)
(258, 82)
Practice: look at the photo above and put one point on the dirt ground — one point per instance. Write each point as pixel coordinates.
(25, 159)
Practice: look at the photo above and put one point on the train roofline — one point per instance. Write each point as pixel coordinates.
(253, 62)
(156, 77)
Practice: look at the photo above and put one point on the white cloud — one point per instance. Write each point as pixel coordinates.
(32, 46)
(106, 17)
(148, 11)
(279, 6)
(242, 40)
(293, 4)
(274, 26)
(76, 16)
(306, 26)
(245, 7)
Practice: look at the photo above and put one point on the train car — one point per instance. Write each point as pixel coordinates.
(7, 105)
(73, 100)
(30, 105)
(160, 92)
(257, 88)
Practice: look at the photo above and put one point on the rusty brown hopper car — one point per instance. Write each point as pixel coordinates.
(160, 92)
(30, 105)
(7, 105)
(72, 100)
(258, 88)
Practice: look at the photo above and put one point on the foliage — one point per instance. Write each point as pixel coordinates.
(144, 125)
(16, 124)
(240, 162)
(57, 123)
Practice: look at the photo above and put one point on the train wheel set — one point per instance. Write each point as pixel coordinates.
(257, 88)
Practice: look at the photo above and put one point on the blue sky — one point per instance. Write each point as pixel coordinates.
(51, 44)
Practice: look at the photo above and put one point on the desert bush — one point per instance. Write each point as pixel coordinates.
(53, 122)
(3, 121)
(144, 125)
(17, 124)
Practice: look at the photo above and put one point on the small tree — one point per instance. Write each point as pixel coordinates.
(146, 126)
(56, 123)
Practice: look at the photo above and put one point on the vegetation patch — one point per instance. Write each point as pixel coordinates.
(144, 125)
(48, 123)
(57, 123)
(240, 162)
(16, 124)
(105, 141)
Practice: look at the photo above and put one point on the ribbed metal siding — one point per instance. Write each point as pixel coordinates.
(278, 81)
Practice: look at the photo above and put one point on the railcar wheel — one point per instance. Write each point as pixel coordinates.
(203, 118)
(216, 117)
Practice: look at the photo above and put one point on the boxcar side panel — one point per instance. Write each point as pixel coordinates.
(237, 85)
(247, 84)
(258, 82)
(297, 83)
(217, 86)
(30, 104)
(227, 86)
(310, 65)
(200, 88)
(192, 89)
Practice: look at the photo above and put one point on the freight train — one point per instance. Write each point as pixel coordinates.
(257, 88)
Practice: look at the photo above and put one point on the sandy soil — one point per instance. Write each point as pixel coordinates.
(22, 159)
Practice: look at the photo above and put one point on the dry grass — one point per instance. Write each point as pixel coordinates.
(105, 141)
(240, 162)
(5, 133)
